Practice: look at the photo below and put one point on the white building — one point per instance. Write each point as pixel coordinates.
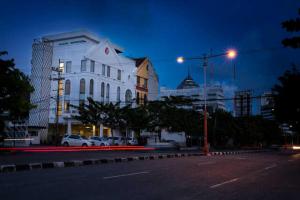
(189, 88)
(91, 67)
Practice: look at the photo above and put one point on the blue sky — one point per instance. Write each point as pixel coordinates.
(163, 30)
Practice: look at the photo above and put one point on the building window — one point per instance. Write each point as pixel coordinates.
(128, 96)
(67, 106)
(92, 69)
(68, 66)
(138, 98)
(108, 71)
(145, 98)
(91, 87)
(118, 94)
(102, 91)
(107, 93)
(145, 83)
(82, 86)
(138, 80)
(67, 87)
(119, 74)
(83, 65)
(103, 69)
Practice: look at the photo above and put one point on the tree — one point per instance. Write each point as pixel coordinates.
(287, 100)
(15, 92)
(292, 25)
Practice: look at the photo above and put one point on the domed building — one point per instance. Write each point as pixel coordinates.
(190, 88)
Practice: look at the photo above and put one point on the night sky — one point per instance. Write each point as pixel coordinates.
(163, 30)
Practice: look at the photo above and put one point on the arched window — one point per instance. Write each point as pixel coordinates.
(107, 92)
(91, 87)
(118, 94)
(128, 96)
(67, 87)
(102, 91)
(82, 86)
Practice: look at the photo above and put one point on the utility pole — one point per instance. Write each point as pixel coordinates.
(205, 62)
(59, 80)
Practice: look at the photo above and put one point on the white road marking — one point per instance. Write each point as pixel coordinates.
(270, 167)
(220, 184)
(122, 175)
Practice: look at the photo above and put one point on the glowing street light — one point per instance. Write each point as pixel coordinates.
(180, 59)
(231, 54)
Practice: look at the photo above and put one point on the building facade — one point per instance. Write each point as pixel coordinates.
(243, 103)
(267, 106)
(189, 88)
(146, 81)
(90, 67)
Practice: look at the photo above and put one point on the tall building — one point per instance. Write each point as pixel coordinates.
(90, 67)
(267, 106)
(189, 88)
(146, 81)
(243, 103)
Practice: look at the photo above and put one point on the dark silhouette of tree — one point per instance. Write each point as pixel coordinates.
(292, 25)
(287, 99)
(15, 92)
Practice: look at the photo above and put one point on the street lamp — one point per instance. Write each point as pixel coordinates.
(230, 54)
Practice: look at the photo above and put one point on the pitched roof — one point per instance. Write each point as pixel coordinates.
(139, 61)
(187, 83)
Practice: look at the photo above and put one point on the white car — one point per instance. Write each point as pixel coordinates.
(116, 140)
(75, 140)
(98, 141)
(131, 141)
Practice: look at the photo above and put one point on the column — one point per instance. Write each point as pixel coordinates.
(94, 130)
(69, 129)
(101, 130)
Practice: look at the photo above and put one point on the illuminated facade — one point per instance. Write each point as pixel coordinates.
(146, 81)
(91, 67)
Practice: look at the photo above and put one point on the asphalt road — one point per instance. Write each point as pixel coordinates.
(245, 176)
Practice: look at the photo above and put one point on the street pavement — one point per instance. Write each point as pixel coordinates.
(270, 175)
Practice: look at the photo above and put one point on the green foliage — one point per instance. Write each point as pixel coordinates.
(286, 98)
(292, 25)
(15, 92)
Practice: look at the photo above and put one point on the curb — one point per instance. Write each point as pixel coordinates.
(76, 163)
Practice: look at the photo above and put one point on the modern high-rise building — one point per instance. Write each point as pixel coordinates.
(90, 67)
(189, 88)
(243, 103)
(267, 106)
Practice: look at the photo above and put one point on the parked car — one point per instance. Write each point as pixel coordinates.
(132, 141)
(117, 140)
(99, 141)
(75, 140)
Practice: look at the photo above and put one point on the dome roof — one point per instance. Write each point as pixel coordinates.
(187, 83)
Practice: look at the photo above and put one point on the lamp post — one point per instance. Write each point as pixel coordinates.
(230, 54)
